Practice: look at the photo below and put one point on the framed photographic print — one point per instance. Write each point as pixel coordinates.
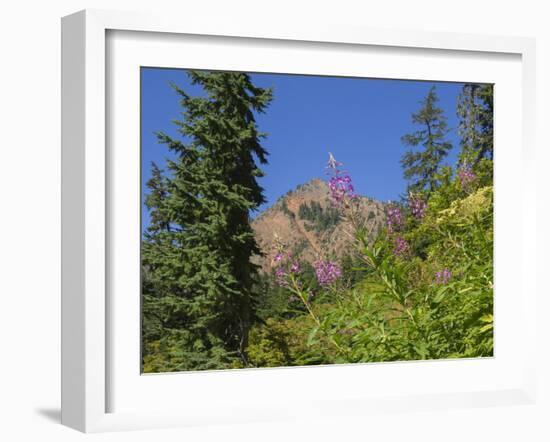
(269, 257)
(249, 214)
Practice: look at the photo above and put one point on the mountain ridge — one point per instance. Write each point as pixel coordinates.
(310, 228)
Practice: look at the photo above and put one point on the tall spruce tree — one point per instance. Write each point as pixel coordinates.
(196, 252)
(421, 165)
(475, 112)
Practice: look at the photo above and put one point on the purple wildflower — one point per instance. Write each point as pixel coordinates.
(466, 176)
(401, 247)
(340, 186)
(295, 267)
(327, 272)
(341, 189)
(394, 218)
(280, 275)
(285, 266)
(443, 276)
(418, 206)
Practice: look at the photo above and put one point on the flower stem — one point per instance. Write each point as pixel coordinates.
(296, 289)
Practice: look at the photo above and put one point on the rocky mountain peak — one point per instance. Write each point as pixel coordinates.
(309, 226)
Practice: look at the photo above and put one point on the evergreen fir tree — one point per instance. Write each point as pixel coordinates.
(421, 166)
(196, 253)
(158, 192)
(475, 111)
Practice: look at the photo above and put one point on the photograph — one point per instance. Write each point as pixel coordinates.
(302, 220)
(298, 221)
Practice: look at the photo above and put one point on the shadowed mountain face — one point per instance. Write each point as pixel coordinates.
(309, 226)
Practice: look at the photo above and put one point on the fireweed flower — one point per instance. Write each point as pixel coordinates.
(394, 219)
(327, 272)
(443, 276)
(285, 266)
(280, 276)
(295, 267)
(401, 247)
(418, 206)
(341, 190)
(466, 175)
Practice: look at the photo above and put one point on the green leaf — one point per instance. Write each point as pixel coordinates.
(440, 294)
(486, 328)
(311, 335)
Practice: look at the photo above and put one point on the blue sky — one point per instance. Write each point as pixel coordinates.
(360, 121)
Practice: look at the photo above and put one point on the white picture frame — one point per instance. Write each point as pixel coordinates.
(87, 319)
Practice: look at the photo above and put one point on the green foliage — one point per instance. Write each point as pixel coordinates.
(397, 310)
(319, 219)
(279, 343)
(273, 301)
(420, 166)
(198, 302)
(182, 350)
(300, 247)
(286, 210)
(475, 111)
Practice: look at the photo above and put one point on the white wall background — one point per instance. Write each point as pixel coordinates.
(30, 215)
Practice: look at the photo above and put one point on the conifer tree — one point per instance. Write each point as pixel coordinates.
(158, 192)
(196, 253)
(152, 323)
(427, 146)
(475, 112)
